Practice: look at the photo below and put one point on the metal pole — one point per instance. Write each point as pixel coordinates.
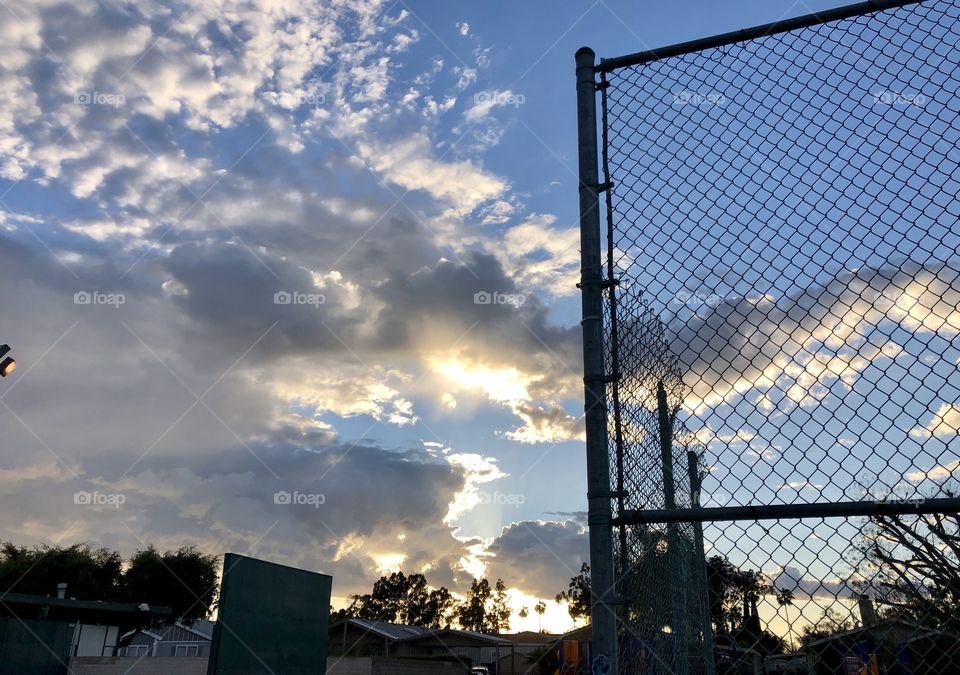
(700, 560)
(675, 564)
(599, 516)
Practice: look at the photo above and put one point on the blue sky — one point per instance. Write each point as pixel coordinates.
(241, 248)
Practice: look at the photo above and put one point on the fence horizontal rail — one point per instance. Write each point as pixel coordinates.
(789, 511)
(744, 34)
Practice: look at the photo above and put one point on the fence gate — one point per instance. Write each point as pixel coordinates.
(771, 346)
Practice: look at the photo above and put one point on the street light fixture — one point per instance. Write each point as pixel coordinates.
(8, 364)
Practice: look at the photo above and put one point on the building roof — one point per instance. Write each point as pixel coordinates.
(532, 637)
(399, 632)
(72, 609)
(451, 634)
(392, 631)
(201, 627)
(582, 634)
(879, 626)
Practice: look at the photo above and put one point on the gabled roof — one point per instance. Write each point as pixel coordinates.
(532, 637)
(201, 627)
(582, 634)
(452, 633)
(392, 631)
(399, 632)
(920, 631)
(144, 631)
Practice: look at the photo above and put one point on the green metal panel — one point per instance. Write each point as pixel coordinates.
(34, 646)
(272, 620)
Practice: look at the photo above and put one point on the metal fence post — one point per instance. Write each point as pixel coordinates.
(603, 609)
(699, 562)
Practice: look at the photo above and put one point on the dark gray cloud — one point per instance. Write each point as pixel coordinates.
(793, 579)
(539, 556)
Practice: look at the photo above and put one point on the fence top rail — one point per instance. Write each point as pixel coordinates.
(745, 34)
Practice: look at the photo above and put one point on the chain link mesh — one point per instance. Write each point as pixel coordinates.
(782, 328)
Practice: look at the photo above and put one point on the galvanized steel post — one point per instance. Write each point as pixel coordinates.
(604, 601)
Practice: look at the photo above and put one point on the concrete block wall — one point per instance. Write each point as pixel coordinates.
(148, 665)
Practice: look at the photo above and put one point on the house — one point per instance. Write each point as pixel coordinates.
(524, 644)
(355, 638)
(178, 639)
(894, 646)
(478, 649)
(40, 634)
(365, 637)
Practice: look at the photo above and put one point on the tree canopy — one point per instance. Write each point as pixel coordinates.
(184, 580)
(400, 598)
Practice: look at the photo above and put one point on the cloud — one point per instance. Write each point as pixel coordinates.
(938, 472)
(539, 556)
(485, 101)
(232, 173)
(546, 425)
(411, 163)
(792, 579)
(747, 342)
(945, 422)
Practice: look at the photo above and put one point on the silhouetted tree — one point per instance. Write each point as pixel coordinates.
(577, 595)
(540, 608)
(472, 612)
(399, 598)
(499, 615)
(440, 606)
(90, 574)
(184, 580)
(913, 566)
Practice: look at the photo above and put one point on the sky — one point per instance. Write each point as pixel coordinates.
(297, 280)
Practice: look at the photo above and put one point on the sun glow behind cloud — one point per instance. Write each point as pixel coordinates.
(503, 385)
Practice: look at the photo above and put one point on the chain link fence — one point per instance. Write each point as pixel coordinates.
(781, 306)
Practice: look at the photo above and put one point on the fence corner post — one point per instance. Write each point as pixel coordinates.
(599, 515)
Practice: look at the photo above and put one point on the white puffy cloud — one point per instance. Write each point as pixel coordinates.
(813, 339)
(944, 423)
